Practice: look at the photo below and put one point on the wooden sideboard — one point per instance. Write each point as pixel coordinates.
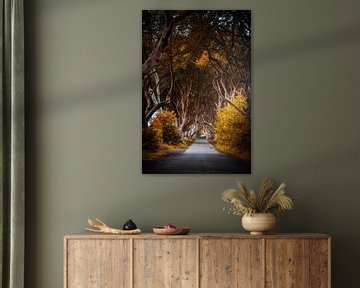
(197, 260)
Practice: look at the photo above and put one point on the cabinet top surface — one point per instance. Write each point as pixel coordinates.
(87, 235)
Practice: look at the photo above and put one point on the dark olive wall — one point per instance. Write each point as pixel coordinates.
(84, 139)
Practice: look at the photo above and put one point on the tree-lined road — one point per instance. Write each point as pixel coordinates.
(200, 158)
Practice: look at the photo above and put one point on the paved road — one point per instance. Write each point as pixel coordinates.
(200, 158)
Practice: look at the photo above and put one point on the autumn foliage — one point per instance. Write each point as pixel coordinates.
(166, 126)
(194, 65)
(233, 129)
(151, 139)
(163, 130)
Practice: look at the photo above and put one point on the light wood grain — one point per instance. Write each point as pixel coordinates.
(98, 264)
(88, 235)
(287, 263)
(165, 263)
(205, 260)
(231, 263)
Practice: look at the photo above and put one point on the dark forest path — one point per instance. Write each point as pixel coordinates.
(200, 158)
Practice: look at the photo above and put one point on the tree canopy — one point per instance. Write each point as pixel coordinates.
(194, 63)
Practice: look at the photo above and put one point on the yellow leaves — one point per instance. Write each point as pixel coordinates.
(229, 121)
(232, 129)
(203, 61)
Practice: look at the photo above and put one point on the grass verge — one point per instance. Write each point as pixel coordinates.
(244, 155)
(165, 149)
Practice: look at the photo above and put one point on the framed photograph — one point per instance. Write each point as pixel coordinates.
(196, 92)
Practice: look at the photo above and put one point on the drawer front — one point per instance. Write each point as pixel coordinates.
(98, 263)
(231, 263)
(165, 263)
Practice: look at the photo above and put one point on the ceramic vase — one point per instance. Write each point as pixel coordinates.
(259, 223)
